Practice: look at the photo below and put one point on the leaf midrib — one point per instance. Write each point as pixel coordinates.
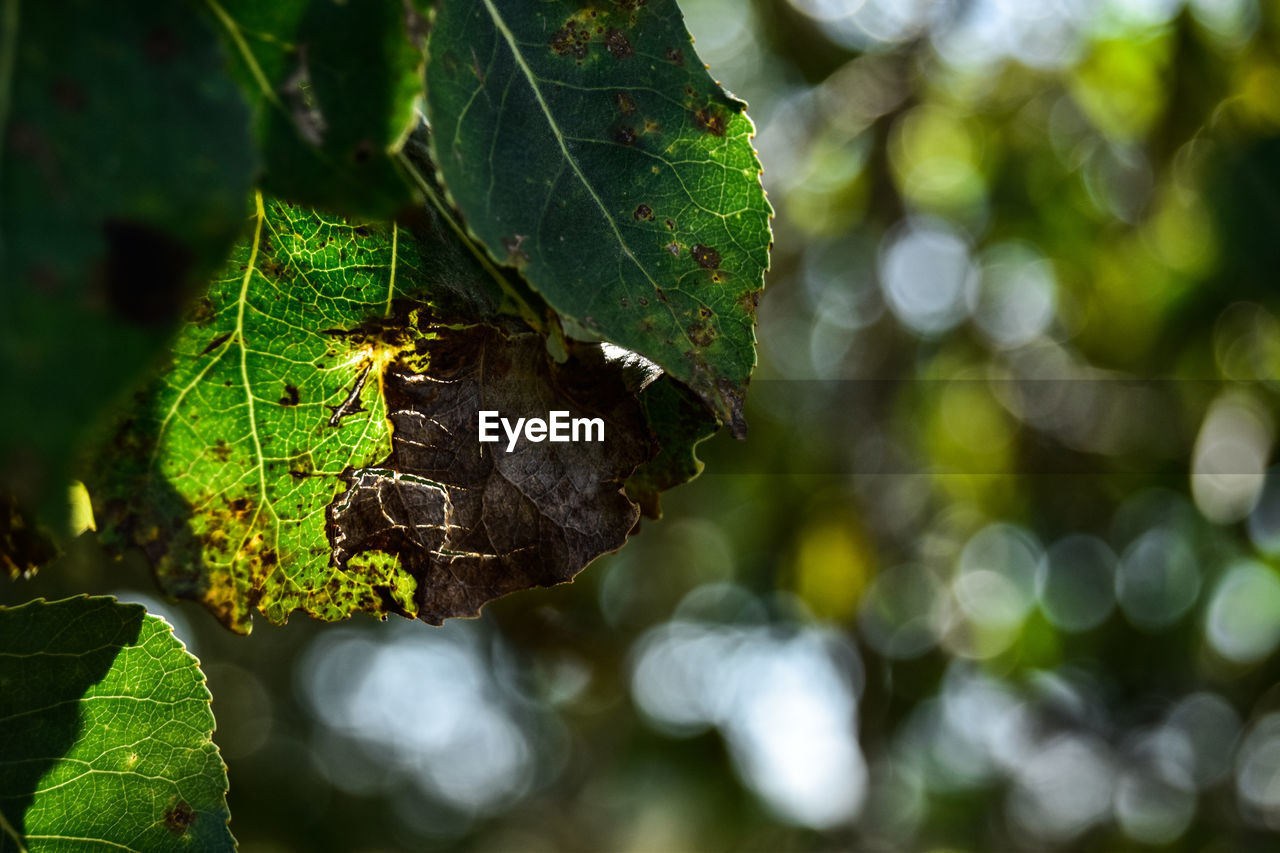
(514, 47)
(250, 269)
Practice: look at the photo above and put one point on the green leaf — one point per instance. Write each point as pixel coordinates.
(106, 735)
(679, 423)
(250, 470)
(588, 147)
(333, 88)
(125, 159)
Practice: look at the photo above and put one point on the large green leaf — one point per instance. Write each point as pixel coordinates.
(105, 733)
(125, 159)
(587, 146)
(262, 470)
(333, 87)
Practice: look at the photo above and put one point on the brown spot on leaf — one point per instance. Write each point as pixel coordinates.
(565, 42)
(179, 818)
(617, 44)
(644, 212)
(291, 396)
(516, 256)
(707, 257)
(670, 225)
(673, 249)
(625, 135)
(271, 268)
(625, 103)
(702, 334)
(710, 120)
(676, 55)
(202, 312)
(215, 343)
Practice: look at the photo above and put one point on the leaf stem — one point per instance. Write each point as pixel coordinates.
(233, 30)
(391, 286)
(527, 311)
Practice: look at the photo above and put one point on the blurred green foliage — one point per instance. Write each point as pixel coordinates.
(996, 568)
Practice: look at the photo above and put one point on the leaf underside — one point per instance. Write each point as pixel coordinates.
(313, 445)
(106, 741)
(587, 146)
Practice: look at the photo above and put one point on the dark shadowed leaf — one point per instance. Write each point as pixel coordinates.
(125, 158)
(251, 472)
(679, 423)
(588, 147)
(333, 87)
(24, 547)
(106, 736)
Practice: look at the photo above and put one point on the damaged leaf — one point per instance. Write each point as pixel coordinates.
(313, 445)
(471, 521)
(588, 147)
(332, 87)
(107, 733)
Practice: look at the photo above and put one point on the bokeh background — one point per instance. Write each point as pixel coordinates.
(997, 568)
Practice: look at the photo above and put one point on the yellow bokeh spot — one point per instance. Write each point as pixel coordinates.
(832, 565)
(1180, 234)
(1256, 100)
(935, 159)
(1122, 86)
